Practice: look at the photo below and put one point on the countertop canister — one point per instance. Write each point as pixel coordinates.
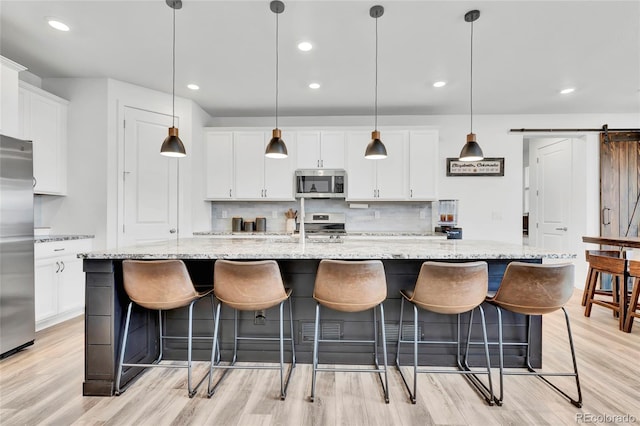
(261, 224)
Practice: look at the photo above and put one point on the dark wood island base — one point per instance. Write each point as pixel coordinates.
(106, 303)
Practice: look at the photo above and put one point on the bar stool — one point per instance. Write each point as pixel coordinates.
(450, 289)
(160, 285)
(535, 289)
(593, 280)
(251, 286)
(633, 309)
(351, 286)
(617, 268)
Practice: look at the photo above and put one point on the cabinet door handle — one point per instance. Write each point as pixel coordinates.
(35, 181)
(411, 193)
(62, 263)
(172, 230)
(265, 193)
(58, 265)
(321, 163)
(606, 221)
(317, 163)
(564, 228)
(59, 249)
(229, 193)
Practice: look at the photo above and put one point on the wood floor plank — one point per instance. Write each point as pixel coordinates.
(42, 385)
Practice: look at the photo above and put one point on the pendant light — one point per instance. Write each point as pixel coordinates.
(172, 145)
(471, 151)
(276, 147)
(376, 149)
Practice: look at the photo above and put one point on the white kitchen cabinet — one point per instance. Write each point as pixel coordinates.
(377, 180)
(218, 151)
(320, 149)
(43, 120)
(59, 281)
(423, 165)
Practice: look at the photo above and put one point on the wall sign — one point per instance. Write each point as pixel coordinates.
(485, 167)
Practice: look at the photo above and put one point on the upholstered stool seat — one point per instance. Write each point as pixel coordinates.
(449, 289)
(251, 286)
(535, 289)
(160, 285)
(349, 287)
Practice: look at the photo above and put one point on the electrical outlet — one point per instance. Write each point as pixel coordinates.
(376, 214)
(274, 214)
(224, 214)
(260, 317)
(423, 214)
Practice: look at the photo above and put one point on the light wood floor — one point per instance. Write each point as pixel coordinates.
(43, 385)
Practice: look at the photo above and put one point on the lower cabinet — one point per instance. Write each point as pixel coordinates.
(59, 281)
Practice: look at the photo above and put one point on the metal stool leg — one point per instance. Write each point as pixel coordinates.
(216, 327)
(385, 385)
(315, 352)
(122, 349)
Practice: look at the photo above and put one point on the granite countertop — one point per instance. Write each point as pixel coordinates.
(292, 248)
(52, 238)
(347, 235)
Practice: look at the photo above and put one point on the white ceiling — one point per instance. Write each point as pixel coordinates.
(524, 53)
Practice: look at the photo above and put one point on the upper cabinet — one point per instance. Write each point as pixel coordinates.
(237, 169)
(377, 180)
(423, 165)
(43, 120)
(9, 111)
(320, 149)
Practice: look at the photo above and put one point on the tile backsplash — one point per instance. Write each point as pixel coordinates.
(376, 217)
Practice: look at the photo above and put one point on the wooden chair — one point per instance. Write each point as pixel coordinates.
(633, 309)
(616, 267)
(593, 275)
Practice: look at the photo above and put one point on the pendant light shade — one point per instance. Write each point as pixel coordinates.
(471, 151)
(172, 145)
(276, 147)
(376, 149)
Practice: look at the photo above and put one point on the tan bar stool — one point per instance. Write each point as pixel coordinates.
(251, 286)
(535, 289)
(593, 275)
(160, 285)
(450, 289)
(617, 268)
(351, 286)
(634, 309)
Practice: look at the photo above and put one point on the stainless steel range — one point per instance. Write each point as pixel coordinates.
(328, 226)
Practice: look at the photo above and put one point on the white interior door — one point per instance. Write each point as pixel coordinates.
(150, 179)
(554, 195)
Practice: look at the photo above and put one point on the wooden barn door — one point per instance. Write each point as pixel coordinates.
(619, 184)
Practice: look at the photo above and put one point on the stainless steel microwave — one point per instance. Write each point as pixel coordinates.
(321, 183)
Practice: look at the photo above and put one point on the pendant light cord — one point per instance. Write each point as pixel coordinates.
(471, 78)
(375, 127)
(277, 67)
(173, 106)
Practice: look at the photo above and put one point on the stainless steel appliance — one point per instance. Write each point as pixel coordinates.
(321, 183)
(448, 219)
(323, 226)
(17, 316)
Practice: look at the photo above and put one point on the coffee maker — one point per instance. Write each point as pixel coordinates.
(448, 219)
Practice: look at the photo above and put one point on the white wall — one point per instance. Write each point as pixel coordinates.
(490, 207)
(96, 154)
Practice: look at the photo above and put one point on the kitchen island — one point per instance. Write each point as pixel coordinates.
(106, 300)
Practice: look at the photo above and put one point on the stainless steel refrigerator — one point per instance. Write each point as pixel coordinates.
(17, 316)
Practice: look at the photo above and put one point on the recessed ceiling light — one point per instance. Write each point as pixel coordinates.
(567, 90)
(57, 24)
(439, 84)
(305, 46)
(314, 85)
(193, 86)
